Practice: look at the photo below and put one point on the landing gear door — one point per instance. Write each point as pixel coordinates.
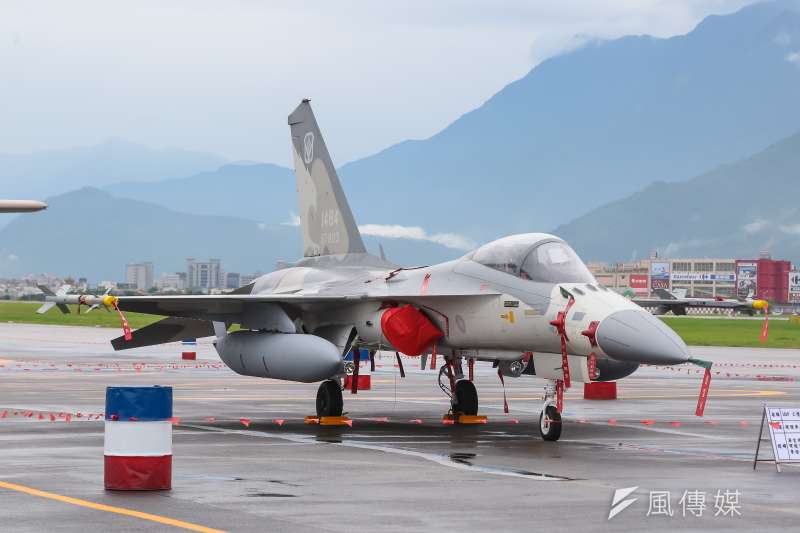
(548, 366)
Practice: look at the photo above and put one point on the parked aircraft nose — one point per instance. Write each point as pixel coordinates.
(638, 336)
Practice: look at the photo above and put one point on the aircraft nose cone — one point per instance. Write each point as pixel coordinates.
(638, 336)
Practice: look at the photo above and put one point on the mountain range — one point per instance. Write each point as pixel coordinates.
(50, 172)
(580, 130)
(735, 210)
(91, 233)
(703, 125)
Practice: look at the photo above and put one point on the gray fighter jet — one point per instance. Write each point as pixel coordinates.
(666, 301)
(525, 302)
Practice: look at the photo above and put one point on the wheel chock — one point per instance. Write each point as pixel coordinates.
(464, 419)
(328, 420)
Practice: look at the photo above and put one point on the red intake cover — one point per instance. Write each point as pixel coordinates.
(408, 329)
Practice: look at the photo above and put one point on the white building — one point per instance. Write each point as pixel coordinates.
(173, 281)
(139, 275)
(204, 274)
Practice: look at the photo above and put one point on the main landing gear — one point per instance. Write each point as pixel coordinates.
(462, 392)
(465, 400)
(329, 399)
(550, 418)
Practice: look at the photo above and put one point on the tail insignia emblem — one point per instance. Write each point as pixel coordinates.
(308, 148)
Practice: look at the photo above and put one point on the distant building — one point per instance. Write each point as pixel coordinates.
(247, 279)
(204, 275)
(764, 277)
(174, 281)
(139, 275)
(233, 280)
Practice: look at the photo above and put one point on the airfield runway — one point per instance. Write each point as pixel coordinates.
(398, 468)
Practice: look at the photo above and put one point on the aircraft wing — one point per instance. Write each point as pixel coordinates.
(216, 307)
(213, 307)
(191, 316)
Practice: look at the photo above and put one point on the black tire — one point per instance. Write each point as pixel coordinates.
(550, 423)
(329, 399)
(466, 398)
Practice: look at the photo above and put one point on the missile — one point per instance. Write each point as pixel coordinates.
(61, 300)
(21, 206)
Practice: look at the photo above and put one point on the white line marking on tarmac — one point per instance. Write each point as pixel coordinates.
(435, 458)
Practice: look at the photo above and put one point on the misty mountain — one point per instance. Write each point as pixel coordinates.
(736, 210)
(262, 192)
(580, 130)
(45, 173)
(91, 233)
(592, 126)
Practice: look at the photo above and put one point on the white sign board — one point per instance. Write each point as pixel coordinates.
(784, 430)
(794, 287)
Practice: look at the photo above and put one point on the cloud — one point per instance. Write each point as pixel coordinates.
(755, 226)
(794, 57)
(294, 220)
(793, 229)
(396, 231)
(92, 69)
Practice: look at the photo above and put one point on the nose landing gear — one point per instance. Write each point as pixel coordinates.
(550, 418)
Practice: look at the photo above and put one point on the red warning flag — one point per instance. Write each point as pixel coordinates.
(245, 422)
(765, 327)
(560, 323)
(701, 400)
(503, 383)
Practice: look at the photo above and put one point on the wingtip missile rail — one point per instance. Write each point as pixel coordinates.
(62, 300)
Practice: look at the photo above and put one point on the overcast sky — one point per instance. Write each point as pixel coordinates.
(222, 76)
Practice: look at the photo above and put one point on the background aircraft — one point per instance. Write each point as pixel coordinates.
(525, 302)
(678, 303)
(21, 206)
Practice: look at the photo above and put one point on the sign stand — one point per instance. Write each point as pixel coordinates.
(784, 432)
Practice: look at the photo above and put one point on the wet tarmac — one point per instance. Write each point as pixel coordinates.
(245, 461)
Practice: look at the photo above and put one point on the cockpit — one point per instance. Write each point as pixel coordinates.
(536, 257)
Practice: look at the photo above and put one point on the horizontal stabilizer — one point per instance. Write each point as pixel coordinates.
(170, 329)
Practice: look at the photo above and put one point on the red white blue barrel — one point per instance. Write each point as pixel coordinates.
(138, 438)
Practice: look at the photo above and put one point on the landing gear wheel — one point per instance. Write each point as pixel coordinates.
(466, 398)
(550, 423)
(329, 399)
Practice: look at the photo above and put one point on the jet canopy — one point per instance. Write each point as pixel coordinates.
(536, 257)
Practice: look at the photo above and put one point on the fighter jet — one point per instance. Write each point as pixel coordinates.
(526, 303)
(667, 301)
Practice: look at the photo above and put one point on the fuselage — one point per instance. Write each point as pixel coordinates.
(496, 311)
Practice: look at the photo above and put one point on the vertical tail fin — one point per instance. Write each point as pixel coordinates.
(325, 217)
